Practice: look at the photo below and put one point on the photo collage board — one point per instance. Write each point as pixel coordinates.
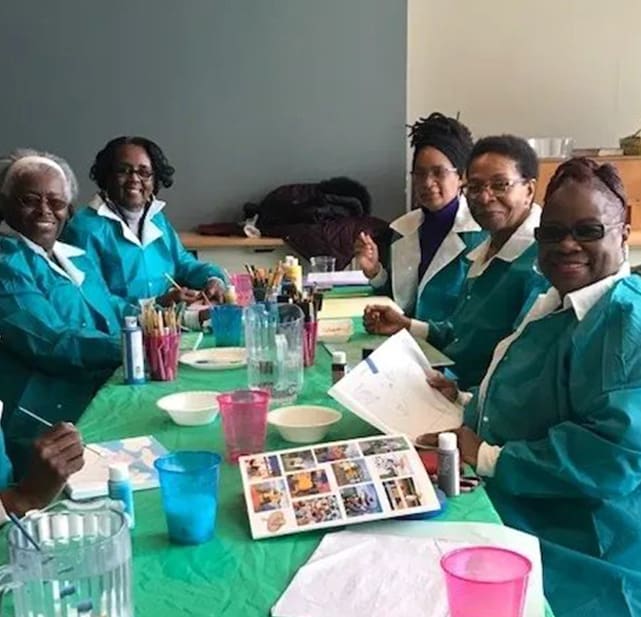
(334, 484)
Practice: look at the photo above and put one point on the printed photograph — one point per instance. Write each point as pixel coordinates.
(337, 452)
(350, 472)
(262, 467)
(392, 465)
(402, 494)
(298, 460)
(270, 495)
(306, 483)
(360, 500)
(316, 510)
(381, 446)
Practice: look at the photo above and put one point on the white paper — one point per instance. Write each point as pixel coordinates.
(344, 277)
(339, 308)
(390, 391)
(395, 570)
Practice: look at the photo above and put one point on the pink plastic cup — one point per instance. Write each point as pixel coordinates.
(485, 581)
(244, 288)
(244, 414)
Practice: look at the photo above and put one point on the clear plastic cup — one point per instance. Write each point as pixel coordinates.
(227, 324)
(189, 488)
(485, 581)
(322, 263)
(244, 414)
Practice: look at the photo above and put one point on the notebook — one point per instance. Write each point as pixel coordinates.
(139, 452)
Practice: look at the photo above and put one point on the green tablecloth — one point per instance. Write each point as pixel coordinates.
(232, 575)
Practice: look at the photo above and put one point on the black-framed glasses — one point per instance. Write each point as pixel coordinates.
(437, 172)
(31, 201)
(498, 187)
(144, 173)
(583, 232)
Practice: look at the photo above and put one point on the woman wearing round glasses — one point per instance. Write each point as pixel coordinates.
(426, 268)
(556, 423)
(126, 231)
(59, 325)
(501, 280)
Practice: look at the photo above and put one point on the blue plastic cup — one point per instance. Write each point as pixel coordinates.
(227, 324)
(189, 488)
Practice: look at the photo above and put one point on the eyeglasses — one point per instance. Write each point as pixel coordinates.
(583, 232)
(498, 188)
(32, 201)
(144, 173)
(438, 172)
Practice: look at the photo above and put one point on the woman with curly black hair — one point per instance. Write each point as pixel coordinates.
(125, 231)
(426, 265)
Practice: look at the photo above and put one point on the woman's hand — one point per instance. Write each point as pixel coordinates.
(468, 443)
(214, 291)
(366, 254)
(57, 454)
(176, 296)
(447, 387)
(379, 319)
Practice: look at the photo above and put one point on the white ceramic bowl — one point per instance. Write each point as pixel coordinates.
(190, 408)
(335, 330)
(303, 423)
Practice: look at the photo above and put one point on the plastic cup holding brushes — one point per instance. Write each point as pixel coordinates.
(161, 337)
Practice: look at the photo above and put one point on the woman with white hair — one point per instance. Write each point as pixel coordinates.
(59, 326)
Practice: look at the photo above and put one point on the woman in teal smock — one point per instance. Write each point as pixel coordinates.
(425, 266)
(124, 229)
(502, 280)
(59, 326)
(555, 426)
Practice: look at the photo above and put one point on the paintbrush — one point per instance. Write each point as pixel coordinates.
(16, 521)
(36, 417)
(172, 281)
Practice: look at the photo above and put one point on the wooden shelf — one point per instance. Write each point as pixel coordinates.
(197, 242)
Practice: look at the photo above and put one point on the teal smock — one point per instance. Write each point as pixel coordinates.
(436, 294)
(59, 338)
(564, 402)
(6, 471)
(135, 268)
(494, 298)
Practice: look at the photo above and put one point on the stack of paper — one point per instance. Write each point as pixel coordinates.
(343, 278)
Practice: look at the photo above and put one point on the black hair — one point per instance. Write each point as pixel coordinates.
(511, 147)
(586, 171)
(103, 166)
(447, 135)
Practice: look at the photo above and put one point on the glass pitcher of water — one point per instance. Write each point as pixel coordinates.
(78, 565)
(274, 341)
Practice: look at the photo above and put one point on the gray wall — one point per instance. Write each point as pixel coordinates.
(242, 95)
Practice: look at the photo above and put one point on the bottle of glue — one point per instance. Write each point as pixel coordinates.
(448, 464)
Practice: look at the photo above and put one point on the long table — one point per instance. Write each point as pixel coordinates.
(232, 575)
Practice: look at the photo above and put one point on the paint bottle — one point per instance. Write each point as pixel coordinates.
(339, 365)
(120, 489)
(133, 356)
(448, 464)
(230, 295)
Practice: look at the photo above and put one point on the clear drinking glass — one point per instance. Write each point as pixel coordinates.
(274, 341)
(322, 263)
(82, 565)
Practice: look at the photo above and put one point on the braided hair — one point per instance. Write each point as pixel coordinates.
(582, 170)
(103, 166)
(447, 135)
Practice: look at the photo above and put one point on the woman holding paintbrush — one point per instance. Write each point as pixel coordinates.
(59, 326)
(125, 230)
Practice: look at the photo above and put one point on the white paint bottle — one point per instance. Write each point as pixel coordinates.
(448, 464)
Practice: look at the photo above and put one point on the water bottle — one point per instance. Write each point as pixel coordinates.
(133, 355)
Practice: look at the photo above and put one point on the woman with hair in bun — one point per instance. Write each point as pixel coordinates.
(126, 232)
(555, 426)
(426, 265)
(501, 279)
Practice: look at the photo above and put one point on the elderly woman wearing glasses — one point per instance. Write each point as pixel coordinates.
(126, 232)
(556, 425)
(59, 326)
(501, 280)
(426, 265)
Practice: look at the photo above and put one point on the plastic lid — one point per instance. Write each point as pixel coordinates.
(339, 357)
(447, 441)
(118, 472)
(131, 321)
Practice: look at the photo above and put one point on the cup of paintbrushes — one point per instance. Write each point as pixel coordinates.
(162, 351)
(310, 332)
